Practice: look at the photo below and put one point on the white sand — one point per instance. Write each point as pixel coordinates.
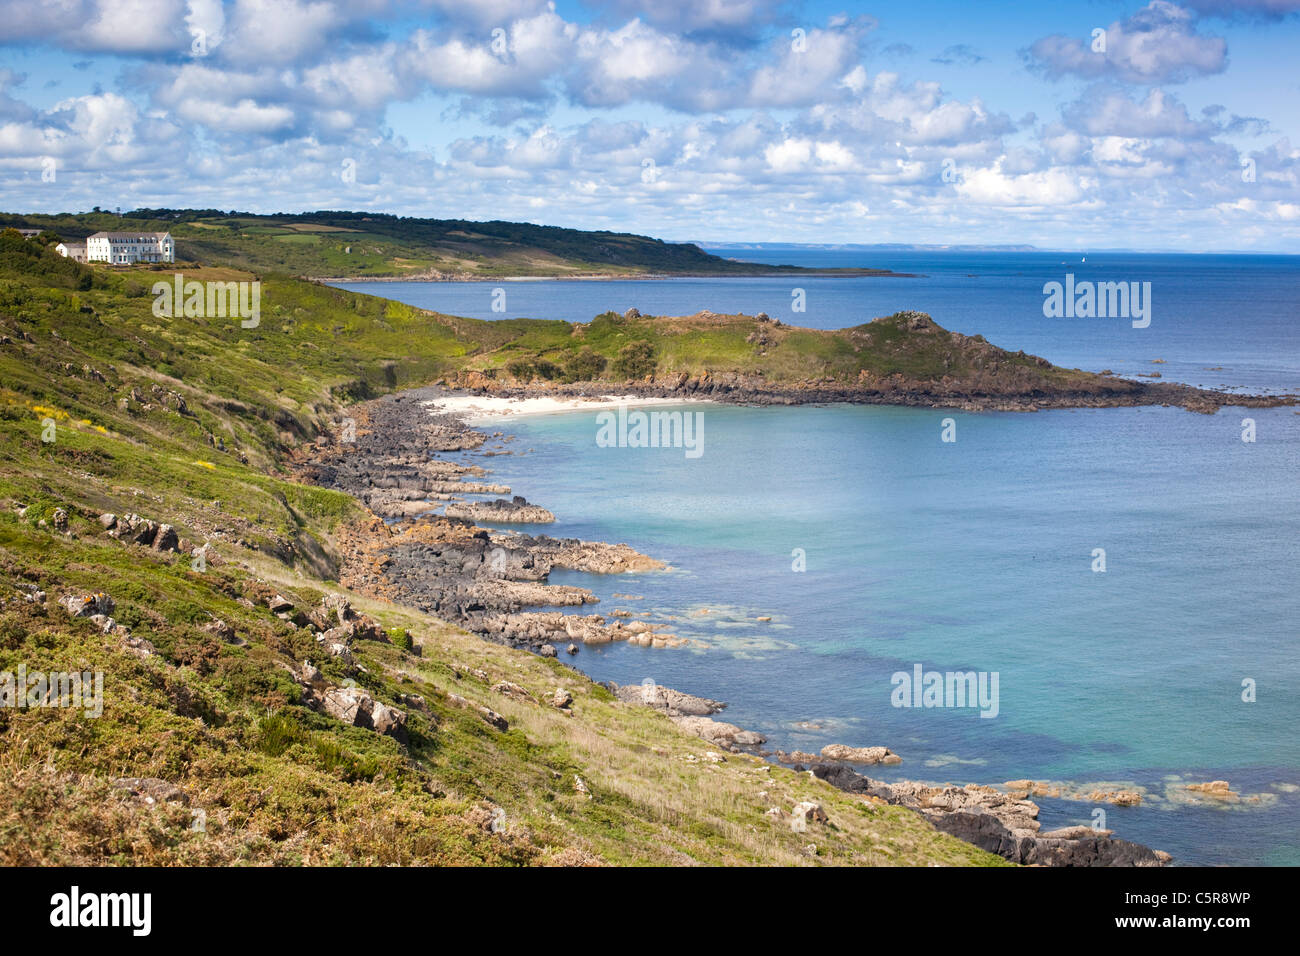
(477, 409)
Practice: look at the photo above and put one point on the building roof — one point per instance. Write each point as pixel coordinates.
(72, 245)
(131, 235)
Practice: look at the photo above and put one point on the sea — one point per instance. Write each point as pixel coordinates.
(1123, 583)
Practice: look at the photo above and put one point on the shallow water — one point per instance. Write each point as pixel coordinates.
(974, 555)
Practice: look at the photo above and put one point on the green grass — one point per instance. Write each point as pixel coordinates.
(224, 722)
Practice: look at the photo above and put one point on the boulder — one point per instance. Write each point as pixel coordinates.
(88, 605)
(867, 755)
(809, 812)
(166, 539)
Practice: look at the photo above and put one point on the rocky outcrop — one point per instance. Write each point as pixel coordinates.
(672, 702)
(724, 735)
(997, 822)
(500, 511)
(864, 755)
(349, 704)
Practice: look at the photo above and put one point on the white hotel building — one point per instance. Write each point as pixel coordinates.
(124, 248)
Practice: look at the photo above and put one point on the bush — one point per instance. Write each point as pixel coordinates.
(584, 366)
(276, 734)
(635, 360)
(401, 637)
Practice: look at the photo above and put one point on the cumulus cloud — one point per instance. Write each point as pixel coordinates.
(1158, 44)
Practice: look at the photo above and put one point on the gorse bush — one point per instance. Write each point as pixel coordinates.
(635, 360)
(584, 366)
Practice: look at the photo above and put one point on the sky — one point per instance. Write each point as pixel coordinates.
(1067, 125)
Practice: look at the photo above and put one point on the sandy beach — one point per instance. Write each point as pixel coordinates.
(478, 409)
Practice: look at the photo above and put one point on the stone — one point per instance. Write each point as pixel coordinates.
(571, 649)
(547, 650)
(513, 691)
(867, 755)
(88, 605)
(166, 539)
(809, 812)
(561, 699)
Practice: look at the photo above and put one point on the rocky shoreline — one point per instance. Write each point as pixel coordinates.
(736, 389)
(493, 583)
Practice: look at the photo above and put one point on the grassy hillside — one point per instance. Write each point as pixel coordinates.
(106, 408)
(359, 244)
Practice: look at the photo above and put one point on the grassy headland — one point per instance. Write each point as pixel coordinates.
(105, 407)
(363, 245)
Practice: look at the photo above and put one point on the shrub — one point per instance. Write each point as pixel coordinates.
(277, 733)
(584, 366)
(635, 360)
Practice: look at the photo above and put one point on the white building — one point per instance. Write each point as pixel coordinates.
(72, 250)
(124, 248)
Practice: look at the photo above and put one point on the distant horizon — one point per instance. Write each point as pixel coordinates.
(727, 244)
(1171, 125)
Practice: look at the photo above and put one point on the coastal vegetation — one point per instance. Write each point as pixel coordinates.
(374, 245)
(210, 748)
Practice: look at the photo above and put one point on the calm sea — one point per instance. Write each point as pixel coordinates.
(875, 546)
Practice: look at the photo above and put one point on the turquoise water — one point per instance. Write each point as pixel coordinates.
(974, 555)
(977, 554)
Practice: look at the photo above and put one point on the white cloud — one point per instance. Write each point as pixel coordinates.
(1158, 44)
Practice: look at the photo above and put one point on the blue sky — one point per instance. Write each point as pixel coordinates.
(1069, 125)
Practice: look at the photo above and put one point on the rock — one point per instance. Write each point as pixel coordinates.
(1215, 790)
(151, 790)
(337, 635)
(867, 755)
(279, 604)
(571, 649)
(547, 650)
(135, 530)
(136, 646)
(727, 736)
(580, 786)
(672, 702)
(561, 699)
(387, 720)
(513, 691)
(59, 519)
(997, 822)
(809, 812)
(1077, 832)
(355, 707)
(88, 605)
(338, 606)
(166, 539)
